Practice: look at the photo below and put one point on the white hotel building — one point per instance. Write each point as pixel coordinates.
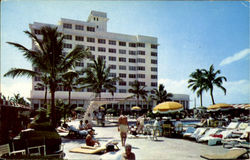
(130, 58)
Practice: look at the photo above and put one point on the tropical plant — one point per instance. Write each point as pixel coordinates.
(211, 79)
(138, 90)
(197, 83)
(43, 86)
(97, 78)
(19, 100)
(161, 95)
(49, 58)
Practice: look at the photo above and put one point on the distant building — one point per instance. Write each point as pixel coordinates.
(130, 58)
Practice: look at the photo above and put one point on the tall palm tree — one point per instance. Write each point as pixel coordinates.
(49, 58)
(161, 95)
(212, 79)
(97, 78)
(197, 83)
(138, 91)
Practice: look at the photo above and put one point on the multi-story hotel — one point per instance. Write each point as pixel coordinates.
(130, 58)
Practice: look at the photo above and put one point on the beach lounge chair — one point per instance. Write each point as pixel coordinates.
(233, 125)
(189, 132)
(230, 155)
(207, 134)
(198, 133)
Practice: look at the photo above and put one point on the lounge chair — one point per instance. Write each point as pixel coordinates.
(189, 132)
(198, 133)
(230, 155)
(5, 149)
(207, 134)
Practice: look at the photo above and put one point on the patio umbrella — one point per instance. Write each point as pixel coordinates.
(220, 107)
(102, 108)
(247, 106)
(167, 107)
(136, 108)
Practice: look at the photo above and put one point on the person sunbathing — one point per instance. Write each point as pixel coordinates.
(89, 139)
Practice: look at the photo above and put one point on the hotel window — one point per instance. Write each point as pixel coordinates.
(122, 91)
(103, 41)
(79, 27)
(79, 38)
(89, 39)
(122, 59)
(153, 84)
(80, 46)
(142, 83)
(132, 76)
(122, 83)
(154, 54)
(153, 61)
(154, 46)
(122, 75)
(37, 31)
(140, 60)
(132, 45)
(90, 29)
(79, 64)
(132, 52)
(92, 48)
(141, 68)
(132, 60)
(112, 66)
(113, 83)
(102, 57)
(37, 78)
(132, 68)
(153, 69)
(66, 45)
(122, 51)
(112, 58)
(68, 37)
(140, 44)
(122, 67)
(140, 75)
(112, 50)
(101, 49)
(67, 25)
(141, 52)
(122, 43)
(153, 76)
(90, 64)
(112, 42)
(112, 74)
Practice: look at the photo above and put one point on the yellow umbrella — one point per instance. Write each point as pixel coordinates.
(167, 107)
(220, 106)
(247, 106)
(102, 108)
(136, 108)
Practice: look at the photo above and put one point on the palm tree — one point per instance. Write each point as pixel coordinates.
(197, 82)
(138, 91)
(161, 95)
(212, 79)
(49, 58)
(97, 78)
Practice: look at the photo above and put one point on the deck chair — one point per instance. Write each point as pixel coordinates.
(5, 149)
(230, 155)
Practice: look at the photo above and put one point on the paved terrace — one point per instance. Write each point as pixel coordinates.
(144, 148)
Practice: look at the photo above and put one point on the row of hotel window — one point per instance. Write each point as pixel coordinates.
(103, 41)
(112, 50)
(121, 67)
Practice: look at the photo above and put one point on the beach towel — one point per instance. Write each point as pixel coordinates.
(88, 149)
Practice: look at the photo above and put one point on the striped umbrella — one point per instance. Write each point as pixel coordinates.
(220, 107)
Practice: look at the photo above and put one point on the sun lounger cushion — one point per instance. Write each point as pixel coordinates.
(233, 125)
(230, 155)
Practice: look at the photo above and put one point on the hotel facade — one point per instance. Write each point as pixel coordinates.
(131, 57)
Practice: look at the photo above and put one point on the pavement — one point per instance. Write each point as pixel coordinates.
(143, 147)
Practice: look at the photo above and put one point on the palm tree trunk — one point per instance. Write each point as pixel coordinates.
(201, 99)
(211, 94)
(45, 97)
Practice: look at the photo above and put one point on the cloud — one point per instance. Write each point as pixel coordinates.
(237, 56)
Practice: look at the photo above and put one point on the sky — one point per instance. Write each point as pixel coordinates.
(191, 35)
